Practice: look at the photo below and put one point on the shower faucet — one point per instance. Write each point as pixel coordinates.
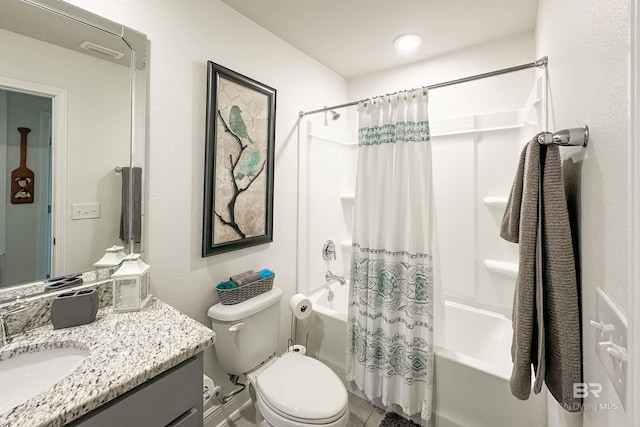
(329, 253)
(329, 250)
(330, 276)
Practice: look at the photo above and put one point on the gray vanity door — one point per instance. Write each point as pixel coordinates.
(173, 398)
(193, 418)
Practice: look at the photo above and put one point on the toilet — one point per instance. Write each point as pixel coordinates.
(291, 389)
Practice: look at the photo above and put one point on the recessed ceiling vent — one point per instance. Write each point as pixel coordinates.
(101, 49)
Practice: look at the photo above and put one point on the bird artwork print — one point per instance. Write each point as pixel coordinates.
(249, 167)
(245, 166)
(239, 161)
(237, 124)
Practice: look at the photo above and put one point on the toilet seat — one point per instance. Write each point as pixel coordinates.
(275, 419)
(301, 389)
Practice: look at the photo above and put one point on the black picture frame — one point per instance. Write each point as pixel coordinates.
(239, 162)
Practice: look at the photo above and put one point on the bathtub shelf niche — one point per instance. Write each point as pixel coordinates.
(345, 245)
(348, 198)
(507, 268)
(497, 202)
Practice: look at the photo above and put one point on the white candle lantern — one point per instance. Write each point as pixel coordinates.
(131, 284)
(110, 261)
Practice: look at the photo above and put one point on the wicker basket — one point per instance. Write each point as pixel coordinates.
(244, 292)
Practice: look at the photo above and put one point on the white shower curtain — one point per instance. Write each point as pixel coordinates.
(390, 338)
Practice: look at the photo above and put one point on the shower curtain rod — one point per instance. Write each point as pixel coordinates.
(540, 63)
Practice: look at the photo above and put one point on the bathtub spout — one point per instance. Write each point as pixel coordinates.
(330, 276)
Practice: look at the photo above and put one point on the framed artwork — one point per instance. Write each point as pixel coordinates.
(239, 162)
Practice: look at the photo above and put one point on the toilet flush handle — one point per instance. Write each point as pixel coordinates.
(236, 327)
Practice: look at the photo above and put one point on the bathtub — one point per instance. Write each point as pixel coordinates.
(472, 369)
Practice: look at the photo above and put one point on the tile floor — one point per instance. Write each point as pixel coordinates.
(362, 414)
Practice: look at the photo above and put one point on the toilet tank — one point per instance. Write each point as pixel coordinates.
(247, 332)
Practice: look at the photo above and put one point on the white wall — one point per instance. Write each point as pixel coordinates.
(183, 37)
(587, 44)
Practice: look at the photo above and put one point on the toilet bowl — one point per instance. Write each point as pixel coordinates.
(297, 390)
(291, 390)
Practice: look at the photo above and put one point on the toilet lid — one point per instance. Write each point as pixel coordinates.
(303, 388)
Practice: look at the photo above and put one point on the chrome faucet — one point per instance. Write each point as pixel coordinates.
(330, 276)
(5, 336)
(329, 253)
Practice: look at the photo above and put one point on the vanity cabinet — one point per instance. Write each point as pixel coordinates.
(173, 398)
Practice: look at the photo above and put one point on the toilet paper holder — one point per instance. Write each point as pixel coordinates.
(291, 345)
(301, 306)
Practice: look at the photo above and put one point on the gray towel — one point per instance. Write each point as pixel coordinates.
(237, 277)
(137, 204)
(249, 278)
(546, 312)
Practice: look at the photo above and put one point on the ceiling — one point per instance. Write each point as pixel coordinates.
(355, 37)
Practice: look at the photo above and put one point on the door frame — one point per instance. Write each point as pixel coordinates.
(59, 163)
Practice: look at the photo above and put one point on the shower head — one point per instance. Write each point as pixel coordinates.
(334, 116)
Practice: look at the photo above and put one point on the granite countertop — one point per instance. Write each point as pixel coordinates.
(124, 351)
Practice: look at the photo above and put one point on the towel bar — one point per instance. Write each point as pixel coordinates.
(578, 137)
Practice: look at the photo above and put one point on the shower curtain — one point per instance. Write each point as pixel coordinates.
(390, 319)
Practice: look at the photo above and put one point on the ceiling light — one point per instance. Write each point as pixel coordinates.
(407, 42)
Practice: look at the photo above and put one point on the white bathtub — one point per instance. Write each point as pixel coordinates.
(472, 370)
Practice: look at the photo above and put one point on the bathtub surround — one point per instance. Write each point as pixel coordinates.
(390, 319)
(546, 312)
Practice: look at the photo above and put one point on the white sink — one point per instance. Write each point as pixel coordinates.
(25, 375)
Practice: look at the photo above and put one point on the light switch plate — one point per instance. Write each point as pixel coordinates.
(85, 210)
(608, 313)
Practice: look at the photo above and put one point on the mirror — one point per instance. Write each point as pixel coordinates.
(78, 82)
